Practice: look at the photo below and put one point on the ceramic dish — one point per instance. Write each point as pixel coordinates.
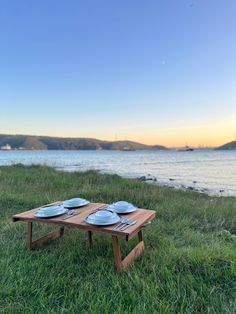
(102, 218)
(121, 205)
(51, 211)
(130, 209)
(75, 202)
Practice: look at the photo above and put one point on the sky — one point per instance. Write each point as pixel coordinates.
(154, 71)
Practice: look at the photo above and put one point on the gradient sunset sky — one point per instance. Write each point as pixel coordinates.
(154, 71)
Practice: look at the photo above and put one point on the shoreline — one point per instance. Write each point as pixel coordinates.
(169, 183)
(150, 179)
(205, 191)
(183, 187)
(187, 172)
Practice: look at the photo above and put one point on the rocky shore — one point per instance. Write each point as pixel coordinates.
(173, 183)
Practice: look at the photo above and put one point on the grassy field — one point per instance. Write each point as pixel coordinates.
(188, 266)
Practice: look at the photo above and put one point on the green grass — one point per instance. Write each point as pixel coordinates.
(188, 266)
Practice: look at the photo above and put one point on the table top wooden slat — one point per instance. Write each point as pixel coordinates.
(141, 215)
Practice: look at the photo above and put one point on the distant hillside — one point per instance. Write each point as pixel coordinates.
(228, 146)
(60, 143)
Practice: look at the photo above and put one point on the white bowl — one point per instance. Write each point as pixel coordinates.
(103, 216)
(121, 205)
(130, 209)
(75, 202)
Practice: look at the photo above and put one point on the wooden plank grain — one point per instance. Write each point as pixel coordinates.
(50, 236)
(137, 250)
(141, 216)
(29, 215)
(78, 221)
(133, 254)
(29, 235)
(117, 255)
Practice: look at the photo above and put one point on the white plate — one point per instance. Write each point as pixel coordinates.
(50, 208)
(51, 213)
(90, 220)
(75, 202)
(130, 209)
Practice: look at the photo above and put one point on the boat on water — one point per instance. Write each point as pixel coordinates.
(186, 149)
(6, 147)
(127, 149)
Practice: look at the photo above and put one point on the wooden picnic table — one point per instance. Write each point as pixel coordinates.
(142, 216)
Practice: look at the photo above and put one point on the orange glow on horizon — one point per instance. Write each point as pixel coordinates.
(208, 136)
(202, 135)
(182, 137)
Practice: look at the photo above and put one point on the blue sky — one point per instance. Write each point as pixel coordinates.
(159, 72)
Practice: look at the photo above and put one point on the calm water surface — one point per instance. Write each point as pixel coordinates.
(212, 170)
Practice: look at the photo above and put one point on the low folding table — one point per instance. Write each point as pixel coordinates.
(141, 216)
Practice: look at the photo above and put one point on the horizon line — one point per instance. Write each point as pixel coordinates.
(199, 146)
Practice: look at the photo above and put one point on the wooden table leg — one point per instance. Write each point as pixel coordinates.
(90, 240)
(117, 254)
(29, 235)
(133, 254)
(52, 235)
(140, 236)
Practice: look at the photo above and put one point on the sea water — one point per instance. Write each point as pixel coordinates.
(209, 171)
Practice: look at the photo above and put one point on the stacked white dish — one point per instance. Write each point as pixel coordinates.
(50, 211)
(122, 207)
(75, 202)
(102, 218)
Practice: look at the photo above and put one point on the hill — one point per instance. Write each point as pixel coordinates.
(61, 143)
(228, 146)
